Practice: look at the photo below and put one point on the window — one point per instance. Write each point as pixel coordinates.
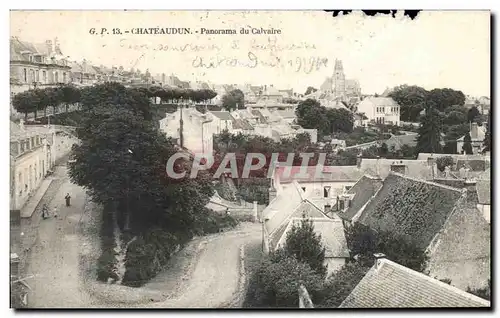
(64, 77)
(56, 75)
(25, 75)
(32, 142)
(44, 77)
(326, 192)
(304, 189)
(341, 205)
(37, 77)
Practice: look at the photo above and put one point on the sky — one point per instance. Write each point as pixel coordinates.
(438, 49)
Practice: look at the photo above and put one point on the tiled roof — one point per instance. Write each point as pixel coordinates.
(425, 156)
(483, 191)
(258, 114)
(286, 114)
(410, 208)
(329, 173)
(242, 124)
(463, 252)
(304, 207)
(473, 164)
(390, 285)
(414, 168)
(271, 91)
(332, 235)
(222, 115)
(363, 191)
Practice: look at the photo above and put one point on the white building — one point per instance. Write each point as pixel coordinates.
(197, 134)
(477, 135)
(383, 110)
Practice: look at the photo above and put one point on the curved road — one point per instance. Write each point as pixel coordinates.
(205, 274)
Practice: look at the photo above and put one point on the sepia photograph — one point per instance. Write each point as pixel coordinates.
(250, 159)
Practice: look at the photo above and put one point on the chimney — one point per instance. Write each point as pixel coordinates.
(378, 259)
(359, 159)
(430, 161)
(446, 172)
(473, 131)
(48, 43)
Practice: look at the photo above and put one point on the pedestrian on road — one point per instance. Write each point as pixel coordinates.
(45, 211)
(68, 199)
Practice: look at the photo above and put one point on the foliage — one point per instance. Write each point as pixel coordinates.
(453, 133)
(254, 189)
(107, 261)
(443, 162)
(473, 115)
(276, 282)
(443, 98)
(311, 115)
(305, 244)
(365, 242)
(429, 132)
(210, 222)
(341, 284)
(467, 147)
(411, 100)
(484, 292)
(234, 99)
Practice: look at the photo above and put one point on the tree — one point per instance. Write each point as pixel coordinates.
(276, 281)
(23, 102)
(305, 244)
(452, 135)
(234, 99)
(473, 114)
(411, 100)
(467, 147)
(384, 150)
(443, 162)
(445, 97)
(487, 136)
(341, 284)
(429, 132)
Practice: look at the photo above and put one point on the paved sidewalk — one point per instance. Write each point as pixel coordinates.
(29, 208)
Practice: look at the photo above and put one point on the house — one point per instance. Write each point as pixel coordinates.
(463, 165)
(380, 110)
(36, 65)
(222, 120)
(288, 209)
(322, 184)
(288, 116)
(477, 135)
(381, 167)
(391, 285)
(432, 216)
(397, 141)
(241, 126)
(195, 134)
(270, 95)
(31, 155)
(483, 188)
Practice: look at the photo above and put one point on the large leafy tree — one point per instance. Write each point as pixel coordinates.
(305, 244)
(429, 132)
(234, 99)
(473, 114)
(411, 99)
(310, 90)
(24, 103)
(446, 97)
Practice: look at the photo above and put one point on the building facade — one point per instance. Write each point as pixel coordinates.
(380, 110)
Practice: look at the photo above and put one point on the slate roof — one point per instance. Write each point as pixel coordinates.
(305, 207)
(287, 201)
(473, 164)
(242, 124)
(259, 115)
(332, 235)
(463, 251)
(329, 173)
(382, 101)
(390, 285)
(222, 115)
(363, 191)
(410, 208)
(286, 114)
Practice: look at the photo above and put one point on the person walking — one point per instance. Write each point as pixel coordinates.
(68, 199)
(45, 211)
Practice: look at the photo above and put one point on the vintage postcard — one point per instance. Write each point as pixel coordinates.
(250, 159)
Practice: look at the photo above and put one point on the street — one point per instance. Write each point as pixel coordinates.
(205, 274)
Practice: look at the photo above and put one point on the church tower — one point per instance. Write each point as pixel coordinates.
(338, 82)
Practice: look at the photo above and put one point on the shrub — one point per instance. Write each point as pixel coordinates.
(209, 222)
(106, 262)
(276, 282)
(254, 189)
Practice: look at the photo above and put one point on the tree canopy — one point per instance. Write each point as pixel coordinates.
(311, 115)
(234, 99)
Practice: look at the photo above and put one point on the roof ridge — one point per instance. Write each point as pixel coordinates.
(425, 181)
(410, 271)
